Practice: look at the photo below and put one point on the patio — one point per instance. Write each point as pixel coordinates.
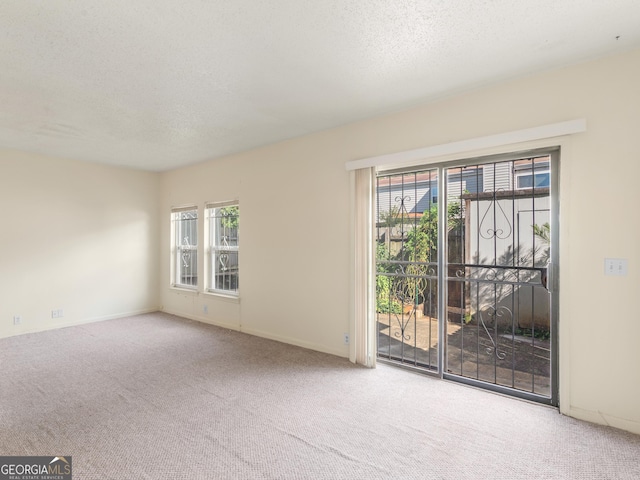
(516, 361)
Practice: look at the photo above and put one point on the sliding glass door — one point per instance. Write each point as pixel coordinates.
(464, 272)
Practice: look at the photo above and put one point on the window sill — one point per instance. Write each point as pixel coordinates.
(223, 296)
(183, 289)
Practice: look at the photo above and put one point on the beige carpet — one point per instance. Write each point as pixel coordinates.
(159, 397)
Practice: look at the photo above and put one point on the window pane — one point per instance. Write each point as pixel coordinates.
(525, 181)
(186, 247)
(226, 271)
(227, 220)
(188, 267)
(224, 225)
(543, 179)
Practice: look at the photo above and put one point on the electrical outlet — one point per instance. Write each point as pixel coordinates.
(58, 313)
(17, 320)
(346, 339)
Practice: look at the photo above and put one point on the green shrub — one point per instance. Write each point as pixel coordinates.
(384, 306)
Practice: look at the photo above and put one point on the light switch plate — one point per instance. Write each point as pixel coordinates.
(616, 266)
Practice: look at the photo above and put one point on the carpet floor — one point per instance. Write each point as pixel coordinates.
(159, 397)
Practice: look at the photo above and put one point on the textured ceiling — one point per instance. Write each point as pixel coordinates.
(157, 84)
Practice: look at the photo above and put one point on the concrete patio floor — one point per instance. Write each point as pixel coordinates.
(520, 362)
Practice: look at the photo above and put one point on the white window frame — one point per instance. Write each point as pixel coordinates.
(215, 251)
(182, 246)
(532, 174)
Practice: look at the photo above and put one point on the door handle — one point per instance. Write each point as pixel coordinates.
(546, 277)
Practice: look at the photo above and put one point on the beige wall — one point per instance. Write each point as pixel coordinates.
(294, 269)
(77, 237)
(94, 241)
(295, 217)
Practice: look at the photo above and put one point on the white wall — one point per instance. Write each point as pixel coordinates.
(295, 252)
(77, 237)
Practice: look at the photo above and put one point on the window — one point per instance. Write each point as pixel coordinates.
(540, 179)
(223, 248)
(185, 247)
(532, 173)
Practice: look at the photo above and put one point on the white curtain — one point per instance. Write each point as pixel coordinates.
(364, 339)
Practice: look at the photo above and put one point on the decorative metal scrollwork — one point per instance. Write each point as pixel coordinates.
(223, 257)
(402, 200)
(496, 231)
(495, 314)
(396, 215)
(186, 254)
(500, 274)
(403, 325)
(409, 283)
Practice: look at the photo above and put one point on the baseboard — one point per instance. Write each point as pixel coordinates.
(44, 328)
(296, 342)
(259, 333)
(604, 419)
(202, 319)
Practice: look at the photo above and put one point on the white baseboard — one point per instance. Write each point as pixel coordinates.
(296, 342)
(202, 319)
(260, 333)
(45, 327)
(604, 419)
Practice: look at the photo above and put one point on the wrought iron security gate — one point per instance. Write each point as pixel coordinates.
(407, 268)
(463, 272)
